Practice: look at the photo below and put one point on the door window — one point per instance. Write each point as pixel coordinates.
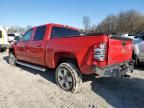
(39, 34)
(27, 35)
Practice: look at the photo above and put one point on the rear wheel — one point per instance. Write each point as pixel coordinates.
(68, 77)
(12, 59)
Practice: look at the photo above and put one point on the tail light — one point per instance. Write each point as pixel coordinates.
(100, 51)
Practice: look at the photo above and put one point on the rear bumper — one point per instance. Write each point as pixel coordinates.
(116, 70)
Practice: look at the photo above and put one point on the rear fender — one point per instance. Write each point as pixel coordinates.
(64, 57)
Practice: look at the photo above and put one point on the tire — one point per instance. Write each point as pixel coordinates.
(1, 49)
(12, 59)
(68, 77)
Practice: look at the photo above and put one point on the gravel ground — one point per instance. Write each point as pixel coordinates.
(22, 87)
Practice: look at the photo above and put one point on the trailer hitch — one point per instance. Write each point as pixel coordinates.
(125, 76)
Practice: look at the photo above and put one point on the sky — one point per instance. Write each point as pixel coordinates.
(68, 12)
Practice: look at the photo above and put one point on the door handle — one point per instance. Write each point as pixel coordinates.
(39, 45)
(23, 46)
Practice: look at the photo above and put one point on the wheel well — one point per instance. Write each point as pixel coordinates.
(71, 60)
(65, 57)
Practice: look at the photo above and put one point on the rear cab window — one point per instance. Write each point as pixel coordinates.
(59, 32)
(0, 34)
(39, 33)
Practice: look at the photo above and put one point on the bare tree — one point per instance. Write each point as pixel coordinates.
(129, 22)
(93, 28)
(108, 25)
(86, 23)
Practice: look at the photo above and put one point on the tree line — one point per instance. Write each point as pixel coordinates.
(18, 29)
(130, 22)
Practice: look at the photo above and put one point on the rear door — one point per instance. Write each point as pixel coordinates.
(21, 52)
(119, 50)
(36, 47)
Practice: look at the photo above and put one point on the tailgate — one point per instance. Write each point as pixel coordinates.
(119, 50)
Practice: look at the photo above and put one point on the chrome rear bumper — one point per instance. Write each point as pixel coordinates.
(116, 70)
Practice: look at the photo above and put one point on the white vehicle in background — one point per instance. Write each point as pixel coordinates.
(3, 39)
(138, 54)
(128, 36)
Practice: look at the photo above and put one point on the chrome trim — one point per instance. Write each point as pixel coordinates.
(32, 66)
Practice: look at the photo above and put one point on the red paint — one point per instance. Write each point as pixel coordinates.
(48, 51)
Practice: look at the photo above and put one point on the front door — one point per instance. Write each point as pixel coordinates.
(21, 52)
(36, 47)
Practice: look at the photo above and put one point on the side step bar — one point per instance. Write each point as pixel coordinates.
(32, 66)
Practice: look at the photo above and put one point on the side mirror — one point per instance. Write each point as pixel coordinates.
(21, 39)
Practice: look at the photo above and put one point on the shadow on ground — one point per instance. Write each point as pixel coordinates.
(140, 67)
(49, 74)
(118, 92)
(6, 58)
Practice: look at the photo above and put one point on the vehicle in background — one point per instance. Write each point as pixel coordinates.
(11, 37)
(131, 36)
(3, 39)
(16, 39)
(139, 35)
(128, 36)
(138, 53)
(64, 49)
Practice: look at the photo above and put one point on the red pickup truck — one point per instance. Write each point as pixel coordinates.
(64, 49)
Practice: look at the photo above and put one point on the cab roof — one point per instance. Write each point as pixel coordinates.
(57, 25)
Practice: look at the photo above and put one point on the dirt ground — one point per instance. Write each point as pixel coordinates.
(22, 87)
